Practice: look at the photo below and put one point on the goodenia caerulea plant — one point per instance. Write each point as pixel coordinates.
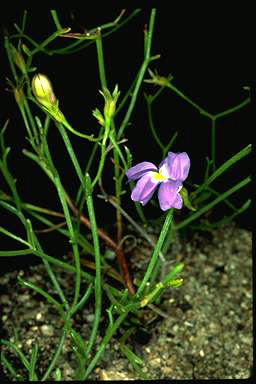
(170, 174)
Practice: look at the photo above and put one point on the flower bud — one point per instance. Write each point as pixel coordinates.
(26, 49)
(43, 91)
(158, 80)
(18, 59)
(19, 95)
(110, 101)
(97, 114)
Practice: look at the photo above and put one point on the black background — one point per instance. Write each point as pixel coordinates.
(210, 60)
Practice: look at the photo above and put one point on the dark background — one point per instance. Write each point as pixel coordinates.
(210, 61)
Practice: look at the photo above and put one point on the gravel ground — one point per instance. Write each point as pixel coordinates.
(204, 330)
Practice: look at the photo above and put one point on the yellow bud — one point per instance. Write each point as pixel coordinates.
(43, 91)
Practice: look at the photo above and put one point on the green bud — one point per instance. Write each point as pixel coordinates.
(97, 114)
(19, 95)
(176, 283)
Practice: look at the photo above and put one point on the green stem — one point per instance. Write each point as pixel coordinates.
(52, 275)
(103, 149)
(140, 76)
(19, 252)
(127, 95)
(204, 209)
(79, 45)
(244, 152)
(183, 96)
(101, 61)
(233, 109)
(210, 116)
(88, 137)
(41, 292)
(151, 124)
(31, 120)
(168, 146)
(22, 111)
(11, 182)
(103, 81)
(17, 238)
(134, 224)
(213, 143)
(116, 158)
(12, 66)
(118, 189)
(47, 41)
(98, 292)
(73, 240)
(109, 333)
(56, 19)
(157, 249)
(34, 356)
(61, 264)
(72, 155)
(59, 348)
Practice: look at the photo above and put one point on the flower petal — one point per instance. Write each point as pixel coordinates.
(144, 189)
(139, 170)
(176, 166)
(168, 195)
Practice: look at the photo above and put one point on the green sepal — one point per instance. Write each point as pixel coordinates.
(184, 194)
(55, 112)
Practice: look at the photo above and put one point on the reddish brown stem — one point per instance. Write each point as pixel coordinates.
(104, 236)
(124, 267)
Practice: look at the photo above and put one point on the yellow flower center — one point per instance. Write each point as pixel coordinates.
(158, 177)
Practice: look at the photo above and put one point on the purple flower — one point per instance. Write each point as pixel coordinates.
(171, 173)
